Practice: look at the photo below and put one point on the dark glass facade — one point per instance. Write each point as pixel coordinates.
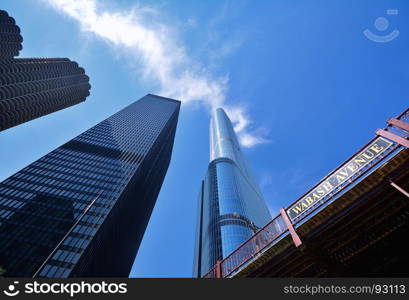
(82, 209)
(231, 208)
(34, 87)
(10, 38)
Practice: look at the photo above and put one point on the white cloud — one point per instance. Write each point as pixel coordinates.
(142, 35)
(249, 139)
(227, 47)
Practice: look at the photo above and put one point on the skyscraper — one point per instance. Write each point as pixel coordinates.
(10, 38)
(82, 209)
(34, 87)
(231, 208)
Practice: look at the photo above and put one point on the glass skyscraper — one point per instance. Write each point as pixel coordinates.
(82, 209)
(231, 207)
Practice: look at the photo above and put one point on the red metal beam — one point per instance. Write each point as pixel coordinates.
(403, 113)
(399, 124)
(396, 138)
(219, 273)
(294, 235)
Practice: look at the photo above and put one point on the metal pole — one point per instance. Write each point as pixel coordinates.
(399, 188)
(65, 236)
(219, 273)
(294, 235)
(396, 138)
(399, 124)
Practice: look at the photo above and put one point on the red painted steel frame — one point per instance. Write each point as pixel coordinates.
(246, 242)
(294, 235)
(395, 122)
(393, 137)
(219, 273)
(399, 124)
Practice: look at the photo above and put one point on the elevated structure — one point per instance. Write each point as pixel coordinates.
(353, 223)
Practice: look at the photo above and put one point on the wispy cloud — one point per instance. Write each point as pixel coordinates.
(141, 34)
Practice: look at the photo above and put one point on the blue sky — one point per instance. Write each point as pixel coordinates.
(305, 87)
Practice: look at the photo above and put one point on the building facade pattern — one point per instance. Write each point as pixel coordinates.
(231, 206)
(10, 38)
(82, 209)
(34, 87)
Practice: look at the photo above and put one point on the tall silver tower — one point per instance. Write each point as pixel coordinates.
(231, 208)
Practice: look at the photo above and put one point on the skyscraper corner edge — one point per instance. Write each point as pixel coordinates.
(165, 98)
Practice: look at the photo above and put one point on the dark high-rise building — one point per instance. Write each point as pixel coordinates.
(34, 87)
(10, 38)
(231, 207)
(82, 209)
